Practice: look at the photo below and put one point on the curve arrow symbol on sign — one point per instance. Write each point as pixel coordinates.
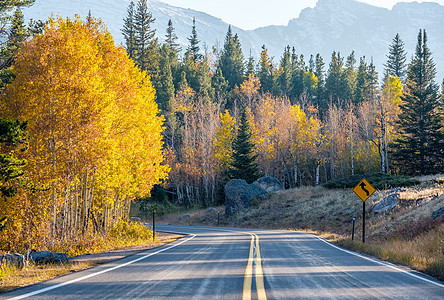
(362, 185)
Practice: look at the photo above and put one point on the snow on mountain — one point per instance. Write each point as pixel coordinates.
(332, 25)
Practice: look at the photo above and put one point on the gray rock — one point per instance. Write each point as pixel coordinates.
(13, 259)
(239, 195)
(47, 257)
(135, 219)
(211, 209)
(389, 201)
(270, 184)
(183, 217)
(438, 214)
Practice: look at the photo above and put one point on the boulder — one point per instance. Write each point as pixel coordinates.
(388, 202)
(438, 214)
(183, 217)
(47, 257)
(13, 259)
(270, 184)
(239, 195)
(135, 219)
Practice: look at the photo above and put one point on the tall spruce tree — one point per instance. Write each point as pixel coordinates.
(285, 73)
(420, 148)
(146, 41)
(320, 91)
(244, 162)
(372, 79)
(165, 86)
(250, 66)
(361, 87)
(129, 32)
(396, 59)
(16, 34)
(171, 38)
(231, 60)
(349, 77)
(335, 81)
(193, 50)
(13, 134)
(6, 6)
(220, 86)
(265, 71)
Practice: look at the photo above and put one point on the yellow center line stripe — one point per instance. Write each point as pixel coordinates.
(259, 274)
(249, 272)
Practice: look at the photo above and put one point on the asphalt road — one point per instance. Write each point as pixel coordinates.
(228, 263)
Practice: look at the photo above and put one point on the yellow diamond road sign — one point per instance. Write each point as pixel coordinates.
(364, 189)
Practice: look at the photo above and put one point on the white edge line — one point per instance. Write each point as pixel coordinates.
(380, 262)
(98, 273)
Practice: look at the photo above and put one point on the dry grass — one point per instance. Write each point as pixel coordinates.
(125, 239)
(13, 277)
(405, 235)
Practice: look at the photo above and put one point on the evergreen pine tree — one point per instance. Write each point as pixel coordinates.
(250, 66)
(129, 32)
(17, 34)
(147, 54)
(220, 86)
(311, 64)
(396, 59)
(297, 77)
(361, 88)
(193, 48)
(171, 38)
(165, 86)
(5, 15)
(243, 164)
(285, 73)
(265, 71)
(321, 103)
(13, 136)
(420, 148)
(334, 84)
(372, 80)
(231, 61)
(205, 89)
(349, 75)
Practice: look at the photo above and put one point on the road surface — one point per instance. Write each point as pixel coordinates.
(229, 263)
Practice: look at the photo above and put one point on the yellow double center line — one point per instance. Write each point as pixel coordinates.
(248, 279)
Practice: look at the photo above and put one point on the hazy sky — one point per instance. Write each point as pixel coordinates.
(262, 12)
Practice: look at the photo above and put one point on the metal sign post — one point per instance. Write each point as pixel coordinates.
(363, 190)
(353, 228)
(363, 221)
(154, 224)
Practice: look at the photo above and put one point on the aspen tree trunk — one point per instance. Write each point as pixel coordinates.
(85, 203)
(318, 165)
(76, 211)
(351, 145)
(54, 211)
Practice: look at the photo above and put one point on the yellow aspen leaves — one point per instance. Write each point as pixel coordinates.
(92, 118)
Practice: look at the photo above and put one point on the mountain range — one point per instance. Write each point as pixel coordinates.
(332, 25)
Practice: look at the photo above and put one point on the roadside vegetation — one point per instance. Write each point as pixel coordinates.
(404, 235)
(12, 277)
(124, 239)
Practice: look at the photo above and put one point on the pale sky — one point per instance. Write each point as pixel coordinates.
(263, 12)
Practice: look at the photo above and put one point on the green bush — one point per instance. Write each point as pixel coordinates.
(377, 180)
(159, 202)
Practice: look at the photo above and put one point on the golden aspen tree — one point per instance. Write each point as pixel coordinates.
(94, 131)
(223, 141)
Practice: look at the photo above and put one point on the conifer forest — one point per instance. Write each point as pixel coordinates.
(87, 127)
